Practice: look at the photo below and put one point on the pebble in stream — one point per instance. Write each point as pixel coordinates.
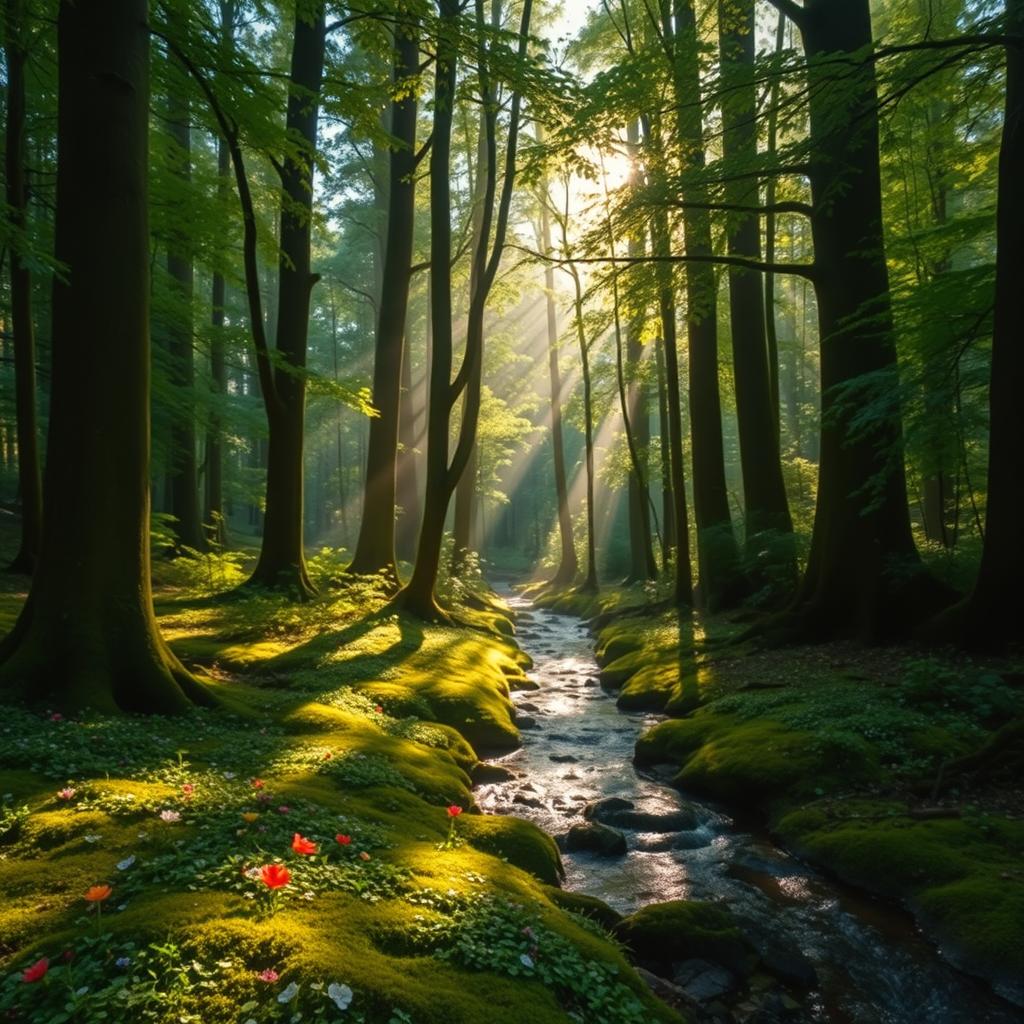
(869, 965)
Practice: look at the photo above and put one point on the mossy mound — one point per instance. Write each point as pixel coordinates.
(355, 734)
(686, 929)
(963, 876)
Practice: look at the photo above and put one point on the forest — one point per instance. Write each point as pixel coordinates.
(512, 511)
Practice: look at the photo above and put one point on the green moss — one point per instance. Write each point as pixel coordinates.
(588, 906)
(519, 842)
(683, 929)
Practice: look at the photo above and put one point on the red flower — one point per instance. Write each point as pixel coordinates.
(379, 710)
(257, 783)
(36, 971)
(327, 755)
(300, 844)
(275, 876)
(343, 840)
(454, 811)
(188, 789)
(97, 893)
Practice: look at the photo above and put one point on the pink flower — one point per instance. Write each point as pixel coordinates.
(67, 793)
(269, 975)
(363, 855)
(283, 809)
(187, 790)
(56, 717)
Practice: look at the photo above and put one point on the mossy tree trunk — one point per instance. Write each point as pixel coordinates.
(22, 326)
(87, 636)
(375, 547)
(767, 521)
(282, 561)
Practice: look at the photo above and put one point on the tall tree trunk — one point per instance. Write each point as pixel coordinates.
(418, 593)
(767, 523)
(720, 583)
(375, 548)
(282, 562)
(182, 474)
(990, 617)
(667, 508)
(443, 476)
(638, 420)
(87, 636)
(864, 575)
(568, 565)
(407, 494)
(214, 518)
(661, 245)
(590, 580)
(22, 327)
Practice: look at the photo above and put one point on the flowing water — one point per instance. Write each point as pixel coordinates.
(872, 966)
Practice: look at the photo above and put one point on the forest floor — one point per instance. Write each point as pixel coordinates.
(860, 761)
(137, 854)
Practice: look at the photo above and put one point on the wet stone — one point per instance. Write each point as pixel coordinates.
(704, 981)
(484, 774)
(563, 758)
(526, 722)
(594, 838)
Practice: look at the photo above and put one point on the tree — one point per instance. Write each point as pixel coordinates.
(766, 509)
(989, 617)
(568, 565)
(87, 635)
(443, 476)
(717, 555)
(282, 561)
(183, 463)
(22, 325)
(375, 548)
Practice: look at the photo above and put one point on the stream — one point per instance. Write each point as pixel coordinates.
(871, 964)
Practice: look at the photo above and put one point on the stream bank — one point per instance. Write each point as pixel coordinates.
(814, 950)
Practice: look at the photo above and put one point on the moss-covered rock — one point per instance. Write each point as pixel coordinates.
(684, 930)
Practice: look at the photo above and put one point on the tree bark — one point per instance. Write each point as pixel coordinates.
(720, 584)
(375, 547)
(864, 575)
(990, 617)
(660, 245)
(282, 561)
(183, 470)
(87, 636)
(214, 518)
(568, 565)
(22, 326)
(407, 527)
(768, 528)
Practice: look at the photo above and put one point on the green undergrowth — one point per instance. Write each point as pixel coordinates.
(840, 750)
(354, 730)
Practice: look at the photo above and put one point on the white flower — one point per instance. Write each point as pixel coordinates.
(289, 993)
(229, 775)
(169, 816)
(124, 865)
(93, 837)
(526, 960)
(340, 995)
